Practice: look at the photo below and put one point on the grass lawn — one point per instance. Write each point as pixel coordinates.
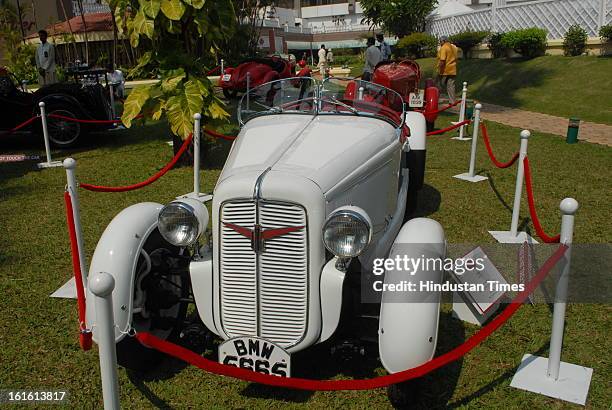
(38, 340)
(556, 85)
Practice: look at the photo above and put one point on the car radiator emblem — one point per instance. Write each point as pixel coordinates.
(259, 236)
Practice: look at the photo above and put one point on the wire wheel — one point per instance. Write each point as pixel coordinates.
(63, 133)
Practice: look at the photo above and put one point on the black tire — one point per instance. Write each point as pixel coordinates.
(404, 395)
(430, 126)
(62, 133)
(230, 94)
(412, 198)
(131, 354)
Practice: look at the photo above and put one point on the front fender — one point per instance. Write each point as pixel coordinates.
(408, 326)
(117, 253)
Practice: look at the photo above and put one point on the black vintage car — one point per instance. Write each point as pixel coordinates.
(87, 101)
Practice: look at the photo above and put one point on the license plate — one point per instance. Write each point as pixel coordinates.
(416, 99)
(256, 354)
(226, 77)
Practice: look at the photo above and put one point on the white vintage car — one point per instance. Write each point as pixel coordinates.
(321, 181)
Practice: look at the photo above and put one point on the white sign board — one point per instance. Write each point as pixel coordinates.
(416, 99)
(489, 282)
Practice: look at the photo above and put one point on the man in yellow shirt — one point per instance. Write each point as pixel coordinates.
(447, 66)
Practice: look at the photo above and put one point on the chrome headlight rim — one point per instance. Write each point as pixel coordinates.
(350, 212)
(197, 227)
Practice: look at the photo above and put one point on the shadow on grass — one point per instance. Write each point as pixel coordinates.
(493, 383)
(500, 79)
(428, 201)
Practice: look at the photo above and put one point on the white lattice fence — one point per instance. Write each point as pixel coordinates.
(553, 15)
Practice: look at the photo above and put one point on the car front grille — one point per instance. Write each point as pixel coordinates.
(264, 294)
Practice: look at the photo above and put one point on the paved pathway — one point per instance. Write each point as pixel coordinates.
(589, 131)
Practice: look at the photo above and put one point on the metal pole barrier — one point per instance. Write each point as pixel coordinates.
(568, 207)
(222, 67)
(471, 176)
(196, 153)
(111, 90)
(552, 377)
(518, 191)
(462, 110)
(24, 85)
(72, 186)
(45, 130)
(248, 86)
(477, 109)
(360, 93)
(102, 285)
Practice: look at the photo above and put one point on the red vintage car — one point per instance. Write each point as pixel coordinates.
(260, 70)
(404, 77)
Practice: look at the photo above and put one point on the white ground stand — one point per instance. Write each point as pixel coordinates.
(572, 384)
(471, 176)
(66, 291)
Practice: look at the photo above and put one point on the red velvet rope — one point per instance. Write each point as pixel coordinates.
(62, 117)
(221, 136)
(20, 126)
(217, 68)
(485, 137)
(84, 334)
(195, 359)
(146, 182)
(441, 109)
(532, 208)
(452, 127)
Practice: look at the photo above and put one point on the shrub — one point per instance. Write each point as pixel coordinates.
(494, 42)
(574, 42)
(416, 45)
(528, 42)
(467, 40)
(605, 33)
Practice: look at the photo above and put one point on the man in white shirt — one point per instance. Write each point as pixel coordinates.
(116, 78)
(322, 59)
(385, 48)
(45, 60)
(372, 58)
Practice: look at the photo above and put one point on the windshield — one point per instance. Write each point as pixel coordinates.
(333, 96)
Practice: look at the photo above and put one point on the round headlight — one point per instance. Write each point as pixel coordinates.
(347, 232)
(182, 222)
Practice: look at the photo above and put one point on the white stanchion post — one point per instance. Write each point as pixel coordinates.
(462, 110)
(470, 175)
(360, 93)
(568, 207)
(111, 90)
(552, 377)
(45, 130)
(102, 285)
(196, 153)
(72, 186)
(513, 236)
(248, 86)
(24, 86)
(222, 67)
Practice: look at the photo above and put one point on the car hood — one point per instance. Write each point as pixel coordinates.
(324, 148)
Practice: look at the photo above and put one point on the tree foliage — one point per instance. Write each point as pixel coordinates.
(19, 56)
(398, 17)
(182, 38)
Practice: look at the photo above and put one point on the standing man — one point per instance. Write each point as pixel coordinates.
(447, 67)
(385, 48)
(322, 59)
(372, 58)
(45, 60)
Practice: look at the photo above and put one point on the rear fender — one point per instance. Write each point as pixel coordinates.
(408, 326)
(117, 253)
(432, 95)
